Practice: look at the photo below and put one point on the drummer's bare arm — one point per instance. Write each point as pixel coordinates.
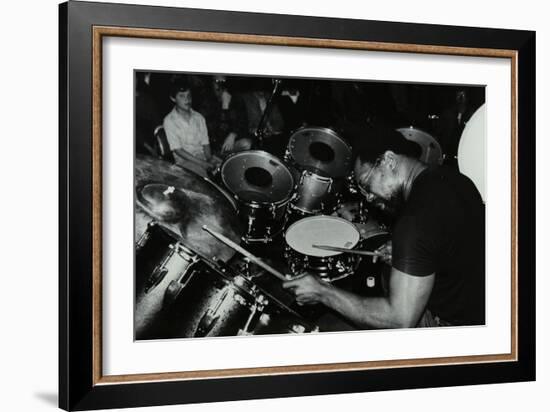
(401, 309)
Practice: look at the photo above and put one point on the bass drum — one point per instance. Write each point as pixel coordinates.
(262, 186)
(472, 150)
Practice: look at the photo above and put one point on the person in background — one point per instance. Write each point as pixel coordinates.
(224, 126)
(451, 125)
(186, 132)
(251, 106)
(147, 115)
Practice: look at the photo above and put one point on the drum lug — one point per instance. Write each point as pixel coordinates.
(155, 278)
(146, 235)
(184, 253)
(286, 156)
(159, 272)
(210, 317)
(273, 210)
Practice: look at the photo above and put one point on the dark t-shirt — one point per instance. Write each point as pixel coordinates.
(442, 231)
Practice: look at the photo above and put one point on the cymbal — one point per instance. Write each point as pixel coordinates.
(183, 202)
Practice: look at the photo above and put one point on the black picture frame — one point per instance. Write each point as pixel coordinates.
(79, 387)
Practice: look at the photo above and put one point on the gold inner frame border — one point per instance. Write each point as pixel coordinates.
(102, 31)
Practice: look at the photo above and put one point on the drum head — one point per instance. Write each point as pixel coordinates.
(472, 150)
(320, 150)
(255, 176)
(325, 230)
(431, 151)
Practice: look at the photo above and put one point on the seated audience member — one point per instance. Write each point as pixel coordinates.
(229, 132)
(147, 115)
(186, 132)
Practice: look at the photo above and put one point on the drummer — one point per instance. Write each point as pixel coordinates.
(438, 241)
(186, 132)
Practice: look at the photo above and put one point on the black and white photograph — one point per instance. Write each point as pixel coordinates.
(278, 205)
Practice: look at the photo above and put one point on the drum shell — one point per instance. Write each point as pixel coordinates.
(261, 204)
(328, 268)
(211, 304)
(262, 221)
(317, 194)
(214, 304)
(160, 260)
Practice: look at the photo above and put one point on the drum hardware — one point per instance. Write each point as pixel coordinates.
(145, 235)
(262, 124)
(245, 253)
(161, 271)
(295, 328)
(351, 183)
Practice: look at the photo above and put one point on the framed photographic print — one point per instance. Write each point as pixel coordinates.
(258, 206)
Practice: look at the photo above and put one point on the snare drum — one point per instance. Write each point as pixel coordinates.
(327, 230)
(262, 186)
(323, 160)
(180, 294)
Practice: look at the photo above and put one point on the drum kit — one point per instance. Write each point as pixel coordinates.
(193, 235)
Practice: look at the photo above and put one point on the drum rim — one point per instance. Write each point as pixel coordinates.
(255, 203)
(328, 130)
(411, 127)
(323, 216)
(323, 178)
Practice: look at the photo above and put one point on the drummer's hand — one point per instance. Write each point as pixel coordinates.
(386, 249)
(229, 142)
(349, 211)
(308, 289)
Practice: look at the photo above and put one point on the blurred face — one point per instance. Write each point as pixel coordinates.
(380, 184)
(219, 84)
(183, 100)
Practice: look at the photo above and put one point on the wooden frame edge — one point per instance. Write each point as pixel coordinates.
(98, 32)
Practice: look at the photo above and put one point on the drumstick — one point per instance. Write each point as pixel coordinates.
(353, 251)
(245, 252)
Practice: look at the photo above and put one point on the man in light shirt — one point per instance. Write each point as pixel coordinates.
(186, 132)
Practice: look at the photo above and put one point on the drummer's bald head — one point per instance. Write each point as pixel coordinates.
(370, 143)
